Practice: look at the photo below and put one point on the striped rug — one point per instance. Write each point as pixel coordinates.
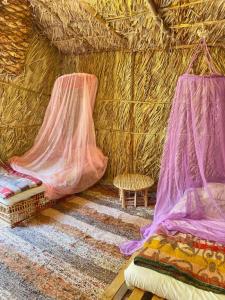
(70, 251)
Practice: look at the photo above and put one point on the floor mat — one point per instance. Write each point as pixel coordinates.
(69, 251)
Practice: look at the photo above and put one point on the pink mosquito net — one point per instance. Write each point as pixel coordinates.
(191, 188)
(64, 155)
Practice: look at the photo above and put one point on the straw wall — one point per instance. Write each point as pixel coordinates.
(23, 99)
(133, 103)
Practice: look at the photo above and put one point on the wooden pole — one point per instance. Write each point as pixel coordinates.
(187, 25)
(19, 87)
(184, 5)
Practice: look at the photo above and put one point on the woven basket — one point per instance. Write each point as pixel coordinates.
(18, 212)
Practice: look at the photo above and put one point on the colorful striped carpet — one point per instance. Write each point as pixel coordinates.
(70, 251)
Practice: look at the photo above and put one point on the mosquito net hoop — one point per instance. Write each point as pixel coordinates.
(191, 188)
(64, 155)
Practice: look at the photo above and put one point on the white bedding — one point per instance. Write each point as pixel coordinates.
(23, 195)
(165, 286)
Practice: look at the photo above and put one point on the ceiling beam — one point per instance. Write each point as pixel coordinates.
(199, 24)
(184, 5)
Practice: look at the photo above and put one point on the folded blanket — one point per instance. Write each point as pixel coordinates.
(194, 261)
(12, 182)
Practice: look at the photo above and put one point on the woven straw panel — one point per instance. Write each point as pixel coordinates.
(104, 25)
(16, 140)
(74, 26)
(133, 103)
(16, 26)
(112, 109)
(24, 99)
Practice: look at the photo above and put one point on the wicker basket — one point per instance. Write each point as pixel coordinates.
(20, 211)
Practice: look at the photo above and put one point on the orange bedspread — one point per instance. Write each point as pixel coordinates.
(194, 261)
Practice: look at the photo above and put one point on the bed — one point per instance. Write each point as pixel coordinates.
(164, 286)
(179, 267)
(23, 205)
(21, 195)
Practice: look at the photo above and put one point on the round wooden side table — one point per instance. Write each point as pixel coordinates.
(134, 183)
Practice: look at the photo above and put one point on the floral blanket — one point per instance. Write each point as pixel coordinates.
(12, 182)
(194, 261)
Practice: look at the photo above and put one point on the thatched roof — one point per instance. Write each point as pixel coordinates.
(135, 87)
(15, 24)
(77, 26)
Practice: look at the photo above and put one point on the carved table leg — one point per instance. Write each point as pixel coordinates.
(146, 197)
(135, 199)
(122, 198)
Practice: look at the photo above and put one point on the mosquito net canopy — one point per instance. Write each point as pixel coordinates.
(191, 188)
(64, 155)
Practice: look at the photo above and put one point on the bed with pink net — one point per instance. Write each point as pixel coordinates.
(64, 156)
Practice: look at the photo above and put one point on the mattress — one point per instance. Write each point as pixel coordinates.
(165, 286)
(22, 196)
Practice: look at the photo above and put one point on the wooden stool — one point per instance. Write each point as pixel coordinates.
(134, 183)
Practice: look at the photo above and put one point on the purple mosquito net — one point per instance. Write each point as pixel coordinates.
(191, 188)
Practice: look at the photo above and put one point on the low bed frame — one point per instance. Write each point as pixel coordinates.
(117, 290)
(22, 210)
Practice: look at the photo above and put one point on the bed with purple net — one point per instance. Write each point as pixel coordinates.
(191, 187)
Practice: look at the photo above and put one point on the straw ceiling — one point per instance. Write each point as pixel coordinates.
(78, 26)
(15, 24)
(135, 88)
